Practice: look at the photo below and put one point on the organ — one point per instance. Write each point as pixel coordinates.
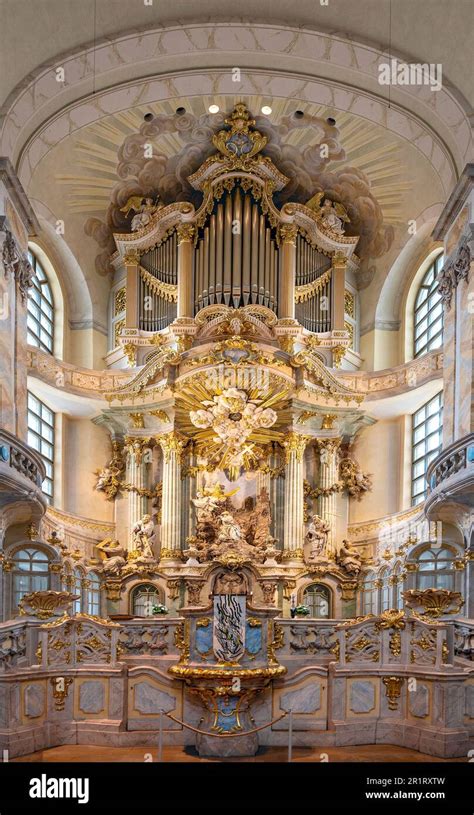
(237, 248)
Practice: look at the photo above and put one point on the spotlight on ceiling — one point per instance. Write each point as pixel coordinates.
(299, 114)
(180, 110)
(266, 110)
(148, 117)
(331, 121)
(213, 108)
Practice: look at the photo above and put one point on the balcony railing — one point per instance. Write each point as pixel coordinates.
(456, 459)
(21, 458)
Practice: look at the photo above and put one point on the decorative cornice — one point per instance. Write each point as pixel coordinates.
(454, 203)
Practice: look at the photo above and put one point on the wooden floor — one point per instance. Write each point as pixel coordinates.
(363, 753)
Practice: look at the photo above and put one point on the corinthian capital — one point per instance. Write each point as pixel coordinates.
(288, 233)
(172, 442)
(186, 233)
(295, 443)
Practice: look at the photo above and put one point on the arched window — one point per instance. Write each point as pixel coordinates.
(30, 572)
(397, 588)
(144, 597)
(40, 309)
(318, 600)
(369, 594)
(436, 569)
(93, 594)
(428, 317)
(427, 440)
(385, 599)
(41, 438)
(77, 589)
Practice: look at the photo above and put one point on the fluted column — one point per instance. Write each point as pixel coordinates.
(186, 234)
(132, 263)
(293, 529)
(136, 483)
(338, 276)
(172, 445)
(288, 233)
(328, 475)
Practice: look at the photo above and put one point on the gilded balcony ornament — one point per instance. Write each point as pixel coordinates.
(433, 602)
(393, 687)
(338, 353)
(61, 686)
(130, 351)
(392, 618)
(46, 604)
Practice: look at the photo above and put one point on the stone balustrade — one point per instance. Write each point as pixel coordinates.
(450, 478)
(17, 456)
(82, 640)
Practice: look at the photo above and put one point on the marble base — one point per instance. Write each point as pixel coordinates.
(227, 747)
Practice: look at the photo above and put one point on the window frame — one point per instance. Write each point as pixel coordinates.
(29, 574)
(45, 322)
(432, 301)
(40, 416)
(326, 591)
(417, 497)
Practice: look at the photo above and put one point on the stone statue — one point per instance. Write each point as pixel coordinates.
(317, 536)
(331, 214)
(229, 529)
(144, 209)
(355, 481)
(144, 536)
(349, 558)
(115, 557)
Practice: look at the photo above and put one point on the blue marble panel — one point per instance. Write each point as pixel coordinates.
(227, 713)
(362, 696)
(253, 638)
(203, 638)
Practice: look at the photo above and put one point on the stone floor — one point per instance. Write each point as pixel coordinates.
(379, 752)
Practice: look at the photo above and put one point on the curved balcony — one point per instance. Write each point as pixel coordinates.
(22, 472)
(450, 478)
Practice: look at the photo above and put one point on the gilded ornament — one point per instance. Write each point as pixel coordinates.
(60, 690)
(393, 687)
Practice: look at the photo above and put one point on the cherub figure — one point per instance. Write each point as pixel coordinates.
(331, 214)
(144, 209)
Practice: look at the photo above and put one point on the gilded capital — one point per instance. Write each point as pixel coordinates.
(136, 446)
(170, 443)
(185, 233)
(295, 443)
(288, 233)
(339, 260)
(132, 257)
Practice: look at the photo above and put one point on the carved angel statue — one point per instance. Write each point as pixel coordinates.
(229, 529)
(144, 209)
(317, 536)
(144, 536)
(331, 213)
(355, 481)
(115, 557)
(349, 558)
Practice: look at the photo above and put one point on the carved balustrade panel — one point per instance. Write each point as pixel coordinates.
(13, 646)
(76, 641)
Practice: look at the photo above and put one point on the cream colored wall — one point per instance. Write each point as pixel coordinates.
(86, 448)
(87, 348)
(379, 350)
(378, 450)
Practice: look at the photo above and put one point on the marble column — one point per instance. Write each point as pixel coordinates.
(293, 524)
(338, 277)
(186, 233)
(288, 234)
(132, 263)
(172, 445)
(328, 476)
(137, 482)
